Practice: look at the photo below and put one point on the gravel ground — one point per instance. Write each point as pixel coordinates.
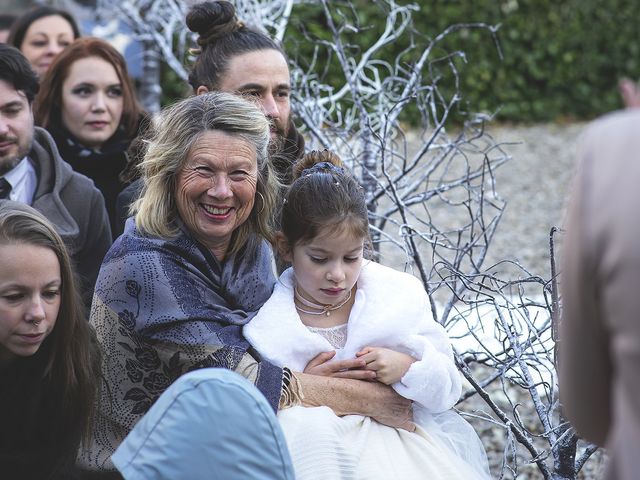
(536, 184)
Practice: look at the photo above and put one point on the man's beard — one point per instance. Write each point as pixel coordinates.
(284, 150)
(277, 142)
(9, 163)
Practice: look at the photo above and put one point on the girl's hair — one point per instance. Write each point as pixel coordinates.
(323, 195)
(48, 104)
(221, 38)
(175, 131)
(21, 25)
(69, 356)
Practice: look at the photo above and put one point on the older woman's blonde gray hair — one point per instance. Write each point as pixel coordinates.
(177, 129)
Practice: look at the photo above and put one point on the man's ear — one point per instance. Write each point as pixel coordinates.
(201, 90)
(283, 247)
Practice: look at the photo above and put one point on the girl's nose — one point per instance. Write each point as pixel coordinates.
(336, 274)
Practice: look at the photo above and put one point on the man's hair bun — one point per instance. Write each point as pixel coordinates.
(212, 20)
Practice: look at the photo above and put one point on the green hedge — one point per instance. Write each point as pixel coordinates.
(561, 59)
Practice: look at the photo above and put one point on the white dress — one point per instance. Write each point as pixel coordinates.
(390, 310)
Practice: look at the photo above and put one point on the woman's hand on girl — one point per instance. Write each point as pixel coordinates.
(388, 365)
(349, 397)
(353, 368)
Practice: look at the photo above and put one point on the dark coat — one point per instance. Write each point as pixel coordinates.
(34, 443)
(124, 200)
(102, 167)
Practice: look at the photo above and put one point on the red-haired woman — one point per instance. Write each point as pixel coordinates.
(87, 102)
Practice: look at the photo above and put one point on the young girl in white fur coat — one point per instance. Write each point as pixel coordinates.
(333, 306)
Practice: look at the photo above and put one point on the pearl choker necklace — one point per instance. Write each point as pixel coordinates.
(321, 309)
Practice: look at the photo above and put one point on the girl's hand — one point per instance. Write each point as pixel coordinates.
(353, 368)
(388, 365)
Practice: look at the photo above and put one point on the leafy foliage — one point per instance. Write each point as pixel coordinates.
(554, 60)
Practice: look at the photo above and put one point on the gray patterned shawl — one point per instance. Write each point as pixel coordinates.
(165, 307)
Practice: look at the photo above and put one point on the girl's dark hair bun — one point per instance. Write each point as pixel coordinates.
(211, 20)
(314, 157)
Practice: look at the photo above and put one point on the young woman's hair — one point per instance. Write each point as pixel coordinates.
(47, 107)
(323, 195)
(21, 24)
(69, 356)
(175, 131)
(220, 38)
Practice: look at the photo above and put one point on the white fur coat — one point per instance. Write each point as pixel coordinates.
(391, 310)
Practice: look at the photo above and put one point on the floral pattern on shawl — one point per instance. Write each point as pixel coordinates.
(165, 307)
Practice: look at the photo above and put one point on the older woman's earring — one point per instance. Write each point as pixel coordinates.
(263, 203)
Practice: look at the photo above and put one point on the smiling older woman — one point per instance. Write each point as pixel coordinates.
(176, 288)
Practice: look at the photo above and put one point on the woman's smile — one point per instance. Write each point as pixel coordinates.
(215, 190)
(216, 212)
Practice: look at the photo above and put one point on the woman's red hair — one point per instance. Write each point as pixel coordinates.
(48, 103)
